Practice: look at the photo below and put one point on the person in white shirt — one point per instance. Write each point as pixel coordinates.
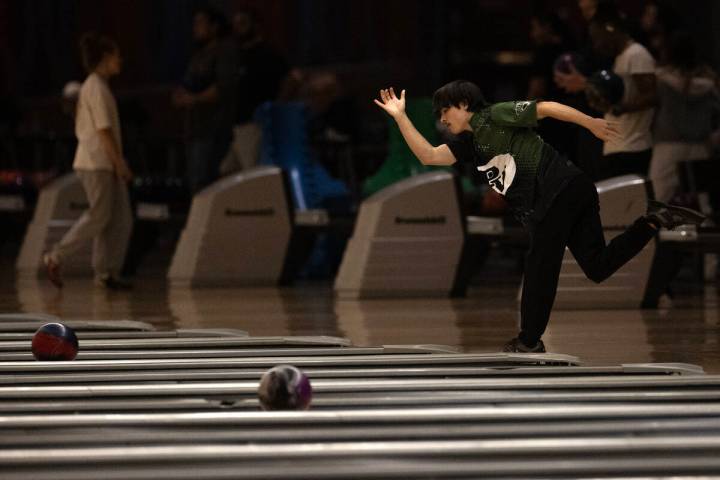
(687, 113)
(103, 171)
(632, 150)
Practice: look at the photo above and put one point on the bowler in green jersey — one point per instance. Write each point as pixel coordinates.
(555, 201)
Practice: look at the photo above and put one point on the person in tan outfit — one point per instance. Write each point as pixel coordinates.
(103, 171)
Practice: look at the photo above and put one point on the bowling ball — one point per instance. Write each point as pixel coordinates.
(285, 388)
(604, 89)
(569, 60)
(493, 203)
(54, 341)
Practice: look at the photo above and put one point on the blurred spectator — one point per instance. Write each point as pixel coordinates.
(332, 112)
(102, 169)
(587, 153)
(260, 73)
(550, 39)
(631, 151)
(575, 80)
(587, 8)
(208, 95)
(657, 22)
(688, 109)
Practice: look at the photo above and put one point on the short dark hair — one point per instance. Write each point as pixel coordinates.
(610, 20)
(216, 17)
(93, 47)
(454, 93)
(249, 11)
(682, 52)
(551, 20)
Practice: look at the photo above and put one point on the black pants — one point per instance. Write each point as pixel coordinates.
(573, 221)
(624, 163)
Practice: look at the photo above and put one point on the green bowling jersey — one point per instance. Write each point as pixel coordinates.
(515, 161)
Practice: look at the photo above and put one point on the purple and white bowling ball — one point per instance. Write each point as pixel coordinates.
(285, 387)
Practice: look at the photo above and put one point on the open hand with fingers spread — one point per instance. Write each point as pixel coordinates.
(390, 103)
(603, 129)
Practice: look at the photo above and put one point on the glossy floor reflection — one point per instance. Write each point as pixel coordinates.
(689, 331)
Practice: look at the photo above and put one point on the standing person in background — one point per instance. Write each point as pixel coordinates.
(103, 171)
(575, 80)
(260, 73)
(588, 150)
(550, 40)
(631, 151)
(688, 108)
(208, 94)
(657, 22)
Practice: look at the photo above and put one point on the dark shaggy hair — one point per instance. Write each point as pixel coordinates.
(682, 52)
(216, 18)
(610, 19)
(93, 47)
(457, 92)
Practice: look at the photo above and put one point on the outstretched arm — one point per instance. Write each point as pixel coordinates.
(423, 150)
(600, 127)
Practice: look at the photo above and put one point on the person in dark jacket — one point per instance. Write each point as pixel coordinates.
(555, 201)
(207, 96)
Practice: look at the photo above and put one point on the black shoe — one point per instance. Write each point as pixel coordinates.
(671, 216)
(52, 268)
(113, 283)
(516, 345)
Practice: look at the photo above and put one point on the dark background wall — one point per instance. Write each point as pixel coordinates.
(38, 38)
(415, 44)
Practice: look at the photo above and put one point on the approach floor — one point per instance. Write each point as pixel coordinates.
(688, 330)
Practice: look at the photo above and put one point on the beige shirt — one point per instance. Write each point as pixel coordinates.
(96, 110)
(634, 127)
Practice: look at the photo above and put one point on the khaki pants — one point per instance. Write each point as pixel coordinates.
(665, 179)
(666, 158)
(244, 149)
(108, 222)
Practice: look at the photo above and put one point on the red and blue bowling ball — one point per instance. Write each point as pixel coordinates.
(54, 341)
(285, 388)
